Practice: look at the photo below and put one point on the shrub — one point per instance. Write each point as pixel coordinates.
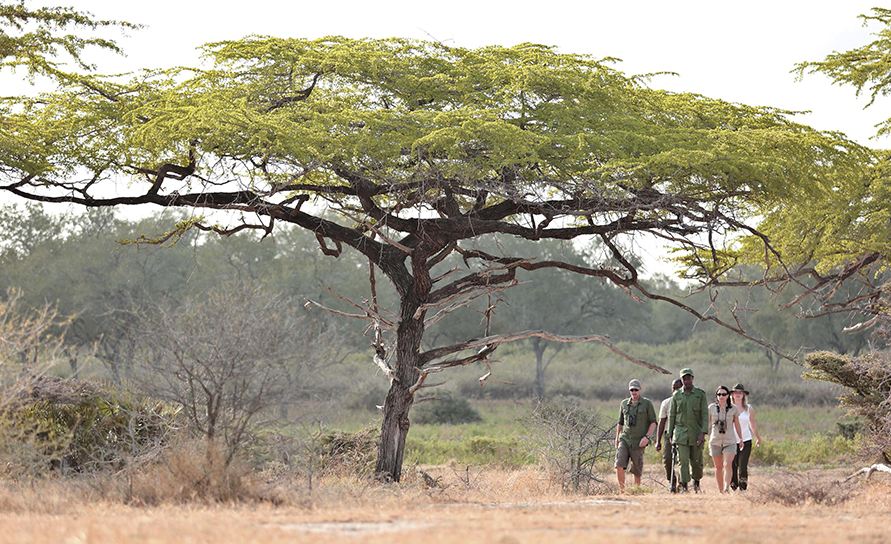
(849, 429)
(189, 471)
(819, 449)
(353, 453)
(768, 454)
(77, 425)
(867, 380)
(446, 410)
(570, 441)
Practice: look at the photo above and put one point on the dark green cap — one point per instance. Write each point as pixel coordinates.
(685, 371)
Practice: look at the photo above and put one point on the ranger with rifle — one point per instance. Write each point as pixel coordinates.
(687, 424)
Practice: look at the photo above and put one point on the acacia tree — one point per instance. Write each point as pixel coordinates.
(837, 248)
(411, 151)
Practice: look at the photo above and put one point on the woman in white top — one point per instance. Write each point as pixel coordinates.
(740, 399)
(725, 436)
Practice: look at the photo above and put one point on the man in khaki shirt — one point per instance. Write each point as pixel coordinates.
(637, 421)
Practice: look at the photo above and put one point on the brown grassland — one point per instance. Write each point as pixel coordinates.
(482, 505)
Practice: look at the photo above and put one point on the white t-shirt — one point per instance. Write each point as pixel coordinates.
(745, 423)
(664, 407)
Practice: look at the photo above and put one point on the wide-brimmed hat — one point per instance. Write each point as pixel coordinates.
(740, 387)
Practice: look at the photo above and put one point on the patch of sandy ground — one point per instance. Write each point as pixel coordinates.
(465, 516)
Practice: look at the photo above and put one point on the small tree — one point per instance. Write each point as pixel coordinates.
(571, 441)
(227, 358)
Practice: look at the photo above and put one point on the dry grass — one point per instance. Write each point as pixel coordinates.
(792, 489)
(468, 505)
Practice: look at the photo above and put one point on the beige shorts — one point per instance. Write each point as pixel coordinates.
(635, 455)
(722, 449)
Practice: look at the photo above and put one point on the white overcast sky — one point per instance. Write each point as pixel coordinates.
(738, 51)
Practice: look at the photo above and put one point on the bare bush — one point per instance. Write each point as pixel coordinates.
(348, 453)
(801, 490)
(228, 359)
(571, 441)
(31, 342)
(79, 426)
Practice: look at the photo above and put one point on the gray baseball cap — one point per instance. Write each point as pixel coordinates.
(634, 384)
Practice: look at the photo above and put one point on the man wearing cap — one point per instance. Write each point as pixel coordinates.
(637, 422)
(687, 424)
(662, 433)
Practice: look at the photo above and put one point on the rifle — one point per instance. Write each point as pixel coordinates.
(674, 464)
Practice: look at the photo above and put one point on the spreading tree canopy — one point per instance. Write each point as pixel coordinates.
(836, 244)
(410, 151)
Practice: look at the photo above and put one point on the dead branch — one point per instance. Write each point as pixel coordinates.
(869, 471)
(498, 339)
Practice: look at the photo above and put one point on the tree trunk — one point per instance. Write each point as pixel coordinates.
(394, 428)
(539, 347)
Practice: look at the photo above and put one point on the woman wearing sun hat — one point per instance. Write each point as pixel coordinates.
(740, 398)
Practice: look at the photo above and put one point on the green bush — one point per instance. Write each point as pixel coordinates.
(819, 449)
(446, 410)
(768, 453)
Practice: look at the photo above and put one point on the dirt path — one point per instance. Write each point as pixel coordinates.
(653, 517)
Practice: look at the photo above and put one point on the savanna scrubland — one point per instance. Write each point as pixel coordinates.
(186, 378)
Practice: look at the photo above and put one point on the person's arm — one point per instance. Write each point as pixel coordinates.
(646, 437)
(754, 426)
(651, 417)
(672, 416)
(660, 431)
(739, 436)
(703, 409)
(620, 425)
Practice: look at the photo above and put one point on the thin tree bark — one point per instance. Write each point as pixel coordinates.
(538, 347)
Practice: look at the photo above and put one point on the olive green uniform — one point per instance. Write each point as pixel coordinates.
(635, 420)
(687, 420)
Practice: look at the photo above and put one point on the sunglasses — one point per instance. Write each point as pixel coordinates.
(721, 394)
(633, 390)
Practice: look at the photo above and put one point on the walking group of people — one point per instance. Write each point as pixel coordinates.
(685, 420)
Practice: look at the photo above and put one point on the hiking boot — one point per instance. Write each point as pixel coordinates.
(696, 488)
(683, 488)
(674, 488)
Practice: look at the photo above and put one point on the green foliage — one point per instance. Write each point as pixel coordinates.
(866, 67)
(445, 410)
(36, 38)
(847, 219)
(427, 446)
(816, 450)
(514, 119)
